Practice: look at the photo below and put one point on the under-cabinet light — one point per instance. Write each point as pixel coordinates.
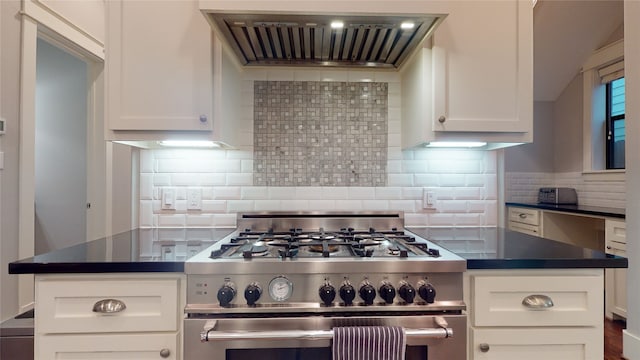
(189, 143)
(456, 144)
(337, 24)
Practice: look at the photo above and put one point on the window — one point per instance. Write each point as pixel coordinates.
(615, 124)
(604, 114)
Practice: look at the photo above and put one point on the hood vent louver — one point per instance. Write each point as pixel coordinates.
(312, 40)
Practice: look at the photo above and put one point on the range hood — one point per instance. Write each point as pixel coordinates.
(366, 41)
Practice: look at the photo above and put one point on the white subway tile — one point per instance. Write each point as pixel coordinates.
(454, 166)
(322, 205)
(335, 193)
(255, 74)
(360, 76)
(172, 220)
(417, 220)
(199, 220)
(452, 206)
(246, 166)
(412, 193)
(426, 180)
(181, 206)
(477, 206)
(333, 75)
(282, 193)
(468, 193)
(491, 213)
(386, 76)
(254, 192)
(207, 193)
(476, 180)
(295, 205)
(394, 100)
(240, 205)
(349, 205)
(214, 206)
(467, 220)
(362, 193)
(212, 179)
(146, 213)
(402, 205)
(400, 180)
(185, 179)
(240, 179)
(491, 187)
(241, 153)
(388, 193)
(147, 161)
(308, 192)
(445, 193)
(415, 166)
(375, 205)
(448, 180)
(441, 219)
(395, 140)
(226, 193)
(395, 127)
(394, 153)
(161, 179)
(306, 75)
(224, 220)
(267, 205)
(180, 193)
(279, 75)
(146, 186)
(395, 87)
(155, 204)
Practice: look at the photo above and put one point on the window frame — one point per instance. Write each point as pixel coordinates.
(594, 112)
(610, 128)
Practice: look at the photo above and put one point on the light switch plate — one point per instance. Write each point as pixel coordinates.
(194, 199)
(428, 198)
(168, 199)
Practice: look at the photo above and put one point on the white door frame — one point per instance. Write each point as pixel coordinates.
(37, 24)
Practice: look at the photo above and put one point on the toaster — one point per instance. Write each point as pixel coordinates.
(557, 195)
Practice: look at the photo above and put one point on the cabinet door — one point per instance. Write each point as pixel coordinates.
(483, 68)
(108, 347)
(158, 66)
(616, 279)
(535, 344)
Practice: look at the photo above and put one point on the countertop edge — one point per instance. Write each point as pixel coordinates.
(576, 209)
(497, 264)
(94, 268)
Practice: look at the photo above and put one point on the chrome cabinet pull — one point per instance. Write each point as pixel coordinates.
(484, 347)
(165, 353)
(203, 118)
(442, 119)
(109, 306)
(537, 302)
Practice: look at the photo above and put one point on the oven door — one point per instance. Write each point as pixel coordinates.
(432, 337)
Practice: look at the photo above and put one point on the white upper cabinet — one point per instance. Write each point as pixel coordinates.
(475, 80)
(160, 61)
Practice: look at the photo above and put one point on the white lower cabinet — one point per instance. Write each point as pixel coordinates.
(535, 314)
(109, 347)
(109, 316)
(616, 244)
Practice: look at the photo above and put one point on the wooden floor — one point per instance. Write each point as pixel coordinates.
(613, 339)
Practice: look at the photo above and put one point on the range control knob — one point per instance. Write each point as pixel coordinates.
(226, 293)
(387, 292)
(367, 293)
(347, 293)
(327, 293)
(427, 292)
(407, 292)
(252, 293)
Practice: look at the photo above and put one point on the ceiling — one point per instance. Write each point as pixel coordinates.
(566, 32)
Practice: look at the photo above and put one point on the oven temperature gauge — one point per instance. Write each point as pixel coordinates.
(280, 288)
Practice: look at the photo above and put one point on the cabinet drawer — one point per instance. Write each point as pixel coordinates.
(535, 344)
(525, 216)
(615, 235)
(524, 228)
(498, 300)
(66, 306)
(107, 347)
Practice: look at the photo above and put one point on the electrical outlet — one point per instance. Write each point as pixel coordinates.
(168, 199)
(428, 198)
(194, 199)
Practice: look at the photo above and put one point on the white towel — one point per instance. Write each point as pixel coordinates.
(369, 343)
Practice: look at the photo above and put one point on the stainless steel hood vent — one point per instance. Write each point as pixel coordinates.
(323, 40)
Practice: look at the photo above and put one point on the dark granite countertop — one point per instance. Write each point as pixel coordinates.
(140, 250)
(166, 250)
(578, 209)
(499, 248)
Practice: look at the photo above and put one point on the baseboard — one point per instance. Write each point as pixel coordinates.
(630, 345)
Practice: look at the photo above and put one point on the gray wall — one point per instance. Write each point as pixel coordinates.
(538, 155)
(60, 154)
(567, 127)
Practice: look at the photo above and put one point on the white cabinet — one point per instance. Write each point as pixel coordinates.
(71, 323)
(476, 79)
(616, 279)
(535, 314)
(159, 66)
(524, 220)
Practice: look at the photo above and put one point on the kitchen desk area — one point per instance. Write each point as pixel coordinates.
(503, 267)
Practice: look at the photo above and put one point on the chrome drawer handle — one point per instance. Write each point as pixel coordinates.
(537, 302)
(522, 216)
(109, 306)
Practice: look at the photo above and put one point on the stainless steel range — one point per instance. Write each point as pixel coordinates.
(277, 286)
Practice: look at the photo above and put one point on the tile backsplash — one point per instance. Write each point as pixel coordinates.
(464, 182)
(319, 133)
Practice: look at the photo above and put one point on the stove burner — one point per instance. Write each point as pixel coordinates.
(318, 248)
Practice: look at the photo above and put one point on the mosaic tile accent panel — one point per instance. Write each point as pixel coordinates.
(311, 133)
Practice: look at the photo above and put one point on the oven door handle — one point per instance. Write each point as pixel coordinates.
(209, 334)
